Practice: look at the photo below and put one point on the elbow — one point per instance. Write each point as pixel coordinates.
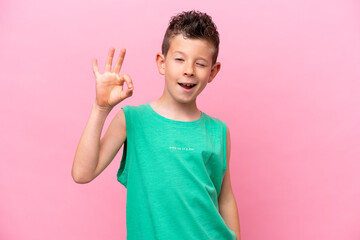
(80, 178)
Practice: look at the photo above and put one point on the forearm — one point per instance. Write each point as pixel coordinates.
(229, 212)
(87, 153)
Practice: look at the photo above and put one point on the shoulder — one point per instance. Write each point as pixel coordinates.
(130, 111)
(130, 115)
(215, 122)
(131, 108)
(126, 110)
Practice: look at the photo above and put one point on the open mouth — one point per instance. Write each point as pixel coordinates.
(187, 86)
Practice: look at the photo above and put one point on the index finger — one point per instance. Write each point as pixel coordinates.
(119, 61)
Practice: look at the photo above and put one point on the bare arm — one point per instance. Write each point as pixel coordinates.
(94, 155)
(227, 203)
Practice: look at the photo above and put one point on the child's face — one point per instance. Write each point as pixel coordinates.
(187, 68)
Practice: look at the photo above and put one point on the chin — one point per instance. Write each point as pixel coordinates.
(185, 101)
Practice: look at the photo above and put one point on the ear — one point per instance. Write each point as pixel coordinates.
(214, 70)
(160, 62)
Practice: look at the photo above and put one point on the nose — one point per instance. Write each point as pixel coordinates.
(189, 69)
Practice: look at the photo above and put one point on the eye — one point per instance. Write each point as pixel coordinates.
(179, 59)
(201, 65)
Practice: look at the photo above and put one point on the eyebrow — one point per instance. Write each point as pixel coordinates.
(200, 58)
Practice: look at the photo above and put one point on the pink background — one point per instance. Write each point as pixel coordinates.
(288, 90)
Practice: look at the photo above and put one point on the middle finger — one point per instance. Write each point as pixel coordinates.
(119, 61)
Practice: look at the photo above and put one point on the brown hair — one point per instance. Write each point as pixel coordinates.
(194, 25)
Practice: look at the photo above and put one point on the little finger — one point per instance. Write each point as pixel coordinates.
(95, 67)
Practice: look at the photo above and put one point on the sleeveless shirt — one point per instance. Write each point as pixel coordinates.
(173, 171)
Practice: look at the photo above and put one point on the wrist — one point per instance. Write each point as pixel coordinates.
(101, 109)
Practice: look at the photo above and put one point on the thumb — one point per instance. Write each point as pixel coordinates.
(130, 86)
(129, 92)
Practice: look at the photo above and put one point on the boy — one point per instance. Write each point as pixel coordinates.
(175, 162)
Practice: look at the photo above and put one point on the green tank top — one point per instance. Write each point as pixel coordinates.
(173, 172)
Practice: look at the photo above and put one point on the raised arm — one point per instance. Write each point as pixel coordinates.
(93, 154)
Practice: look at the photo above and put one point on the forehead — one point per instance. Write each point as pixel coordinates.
(191, 46)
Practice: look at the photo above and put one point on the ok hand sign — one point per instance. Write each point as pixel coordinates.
(110, 85)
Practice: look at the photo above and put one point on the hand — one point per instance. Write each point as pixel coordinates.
(109, 85)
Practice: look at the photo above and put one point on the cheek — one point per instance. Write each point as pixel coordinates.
(205, 74)
(172, 70)
(171, 75)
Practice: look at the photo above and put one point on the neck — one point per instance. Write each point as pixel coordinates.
(169, 108)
